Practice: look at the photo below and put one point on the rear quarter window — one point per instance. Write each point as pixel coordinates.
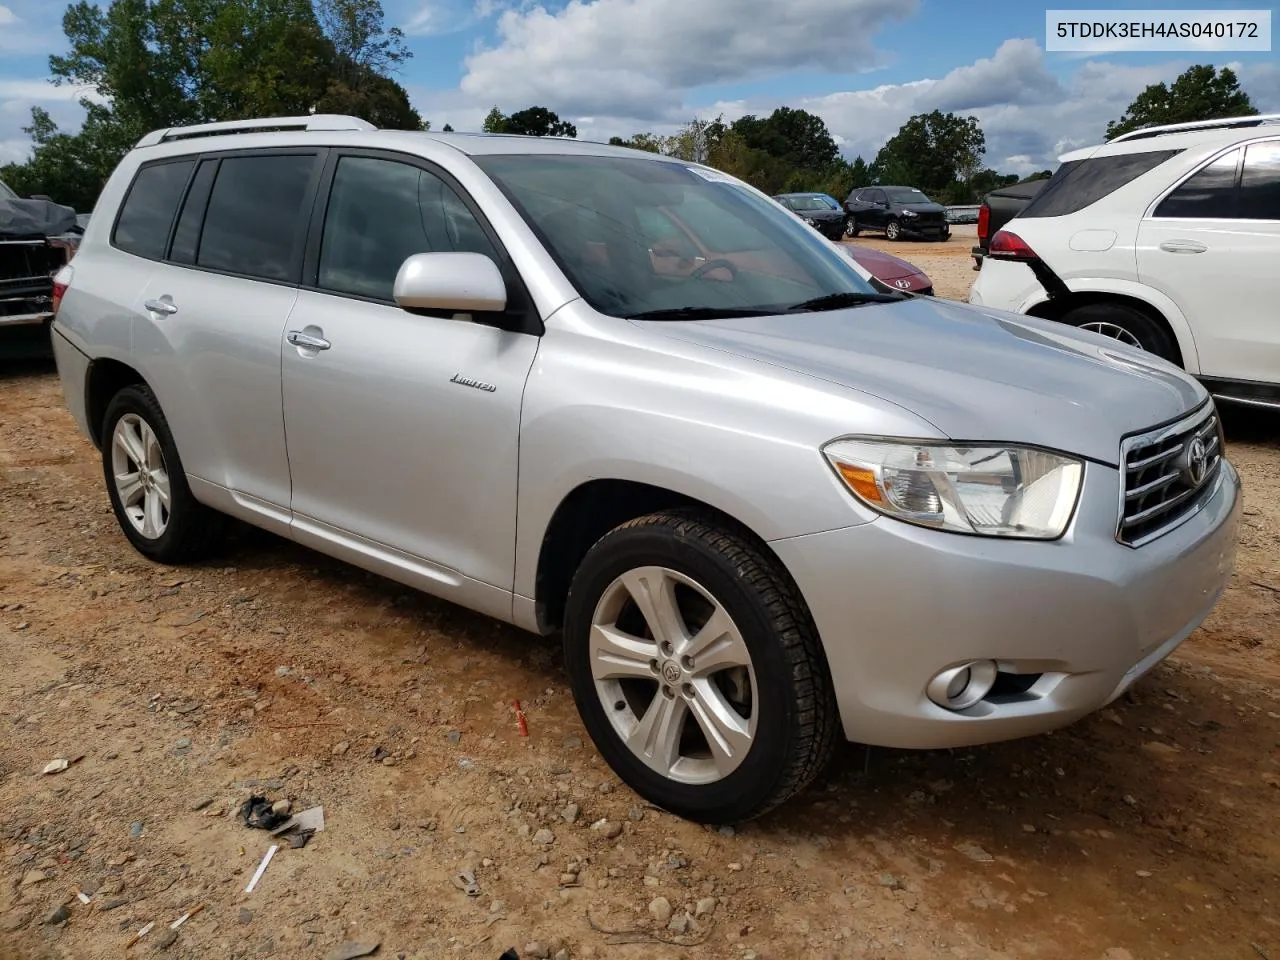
(1082, 183)
(142, 227)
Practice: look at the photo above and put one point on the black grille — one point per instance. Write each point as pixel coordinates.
(1169, 473)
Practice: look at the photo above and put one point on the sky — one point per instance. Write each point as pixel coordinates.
(617, 67)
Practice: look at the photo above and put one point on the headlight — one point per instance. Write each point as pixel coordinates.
(997, 491)
(910, 213)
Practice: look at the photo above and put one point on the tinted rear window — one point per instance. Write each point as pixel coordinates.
(1260, 182)
(186, 235)
(143, 225)
(1208, 193)
(1080, 183)
(254, 224)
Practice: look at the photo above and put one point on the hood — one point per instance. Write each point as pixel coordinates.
(922, 207)
(975, 375)
(881, 265)
(825, 214)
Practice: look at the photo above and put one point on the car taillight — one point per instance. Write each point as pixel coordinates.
(1009, 246)
(984, 222)
(61, 281)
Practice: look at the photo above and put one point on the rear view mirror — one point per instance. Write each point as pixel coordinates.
(465, 282)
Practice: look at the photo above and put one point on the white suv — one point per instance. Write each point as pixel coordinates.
(1167, 238)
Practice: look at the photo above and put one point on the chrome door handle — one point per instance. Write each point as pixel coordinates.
(300, 339)
(1183, 246)
(164, 307)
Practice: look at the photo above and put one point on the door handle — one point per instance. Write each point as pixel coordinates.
(166, 308)
(1183, 246)
(300, 339)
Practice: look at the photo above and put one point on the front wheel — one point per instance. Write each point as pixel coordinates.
(1124, 323)
(146, 483)
(893, 230)
(696, 668)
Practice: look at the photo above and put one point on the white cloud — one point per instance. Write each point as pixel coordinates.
(634, 58)
(439, 17)
(7, 16)
(1028, 115)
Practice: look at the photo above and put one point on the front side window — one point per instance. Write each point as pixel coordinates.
(255, 222)
(600, 217)
(1260, 182)
(143, 225)
(380, 213)
(6, 193)
(1209, 193)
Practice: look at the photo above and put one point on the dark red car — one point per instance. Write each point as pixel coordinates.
(893, 272)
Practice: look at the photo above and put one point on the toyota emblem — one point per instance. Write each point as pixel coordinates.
(1197, 462)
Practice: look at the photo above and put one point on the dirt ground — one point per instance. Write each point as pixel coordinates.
(1147, 831)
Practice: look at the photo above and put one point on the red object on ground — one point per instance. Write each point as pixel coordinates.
(520, 721)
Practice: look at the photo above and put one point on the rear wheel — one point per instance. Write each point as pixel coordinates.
(1126, 324)
(893, 230)
(147, 485)
(696, 668)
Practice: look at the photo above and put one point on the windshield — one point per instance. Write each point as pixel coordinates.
(6, 193)
(640, 237)
(907, 196)
(812, 203)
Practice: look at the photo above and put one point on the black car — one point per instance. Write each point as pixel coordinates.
(898, 211)
(820, 211)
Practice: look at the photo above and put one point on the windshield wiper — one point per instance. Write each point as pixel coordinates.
(699, 313)
(836, 301)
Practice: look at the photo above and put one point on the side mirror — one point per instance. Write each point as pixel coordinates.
(465, 282)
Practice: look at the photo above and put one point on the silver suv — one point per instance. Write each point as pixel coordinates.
(626, 397)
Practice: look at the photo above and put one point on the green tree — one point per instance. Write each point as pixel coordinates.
(163, 63)
(797, 137)
(1199, 93)
(529, 122)
(648, 142)
(931, 151)
(447, 128)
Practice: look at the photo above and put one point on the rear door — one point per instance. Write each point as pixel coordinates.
(211, 324)
(1212, 245)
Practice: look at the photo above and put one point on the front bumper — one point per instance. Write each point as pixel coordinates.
(931, 231)
(895, 604)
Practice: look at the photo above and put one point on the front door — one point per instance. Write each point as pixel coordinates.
(403, 429)
(1212, 246)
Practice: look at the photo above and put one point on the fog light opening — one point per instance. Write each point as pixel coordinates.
(960, 687)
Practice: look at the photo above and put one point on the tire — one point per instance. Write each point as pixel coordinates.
(851, 228)
(893, 230)
(187, 530)
(1124, 323)
(787, 733)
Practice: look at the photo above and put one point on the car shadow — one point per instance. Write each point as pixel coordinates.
(1250, 424)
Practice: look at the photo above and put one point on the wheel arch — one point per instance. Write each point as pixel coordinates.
(590, 511)
(105, 378)
(1149, 302)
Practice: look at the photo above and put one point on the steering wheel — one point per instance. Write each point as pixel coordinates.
(710, 265)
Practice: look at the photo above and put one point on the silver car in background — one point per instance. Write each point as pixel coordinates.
(765, 505)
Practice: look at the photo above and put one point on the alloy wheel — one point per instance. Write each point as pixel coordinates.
(1114, 331)
(140, 476)
(674, 675)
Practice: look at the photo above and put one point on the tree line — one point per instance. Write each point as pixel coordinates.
(161, 63)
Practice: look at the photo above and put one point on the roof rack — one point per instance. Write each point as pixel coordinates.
(1225, 123)
(315, 121)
